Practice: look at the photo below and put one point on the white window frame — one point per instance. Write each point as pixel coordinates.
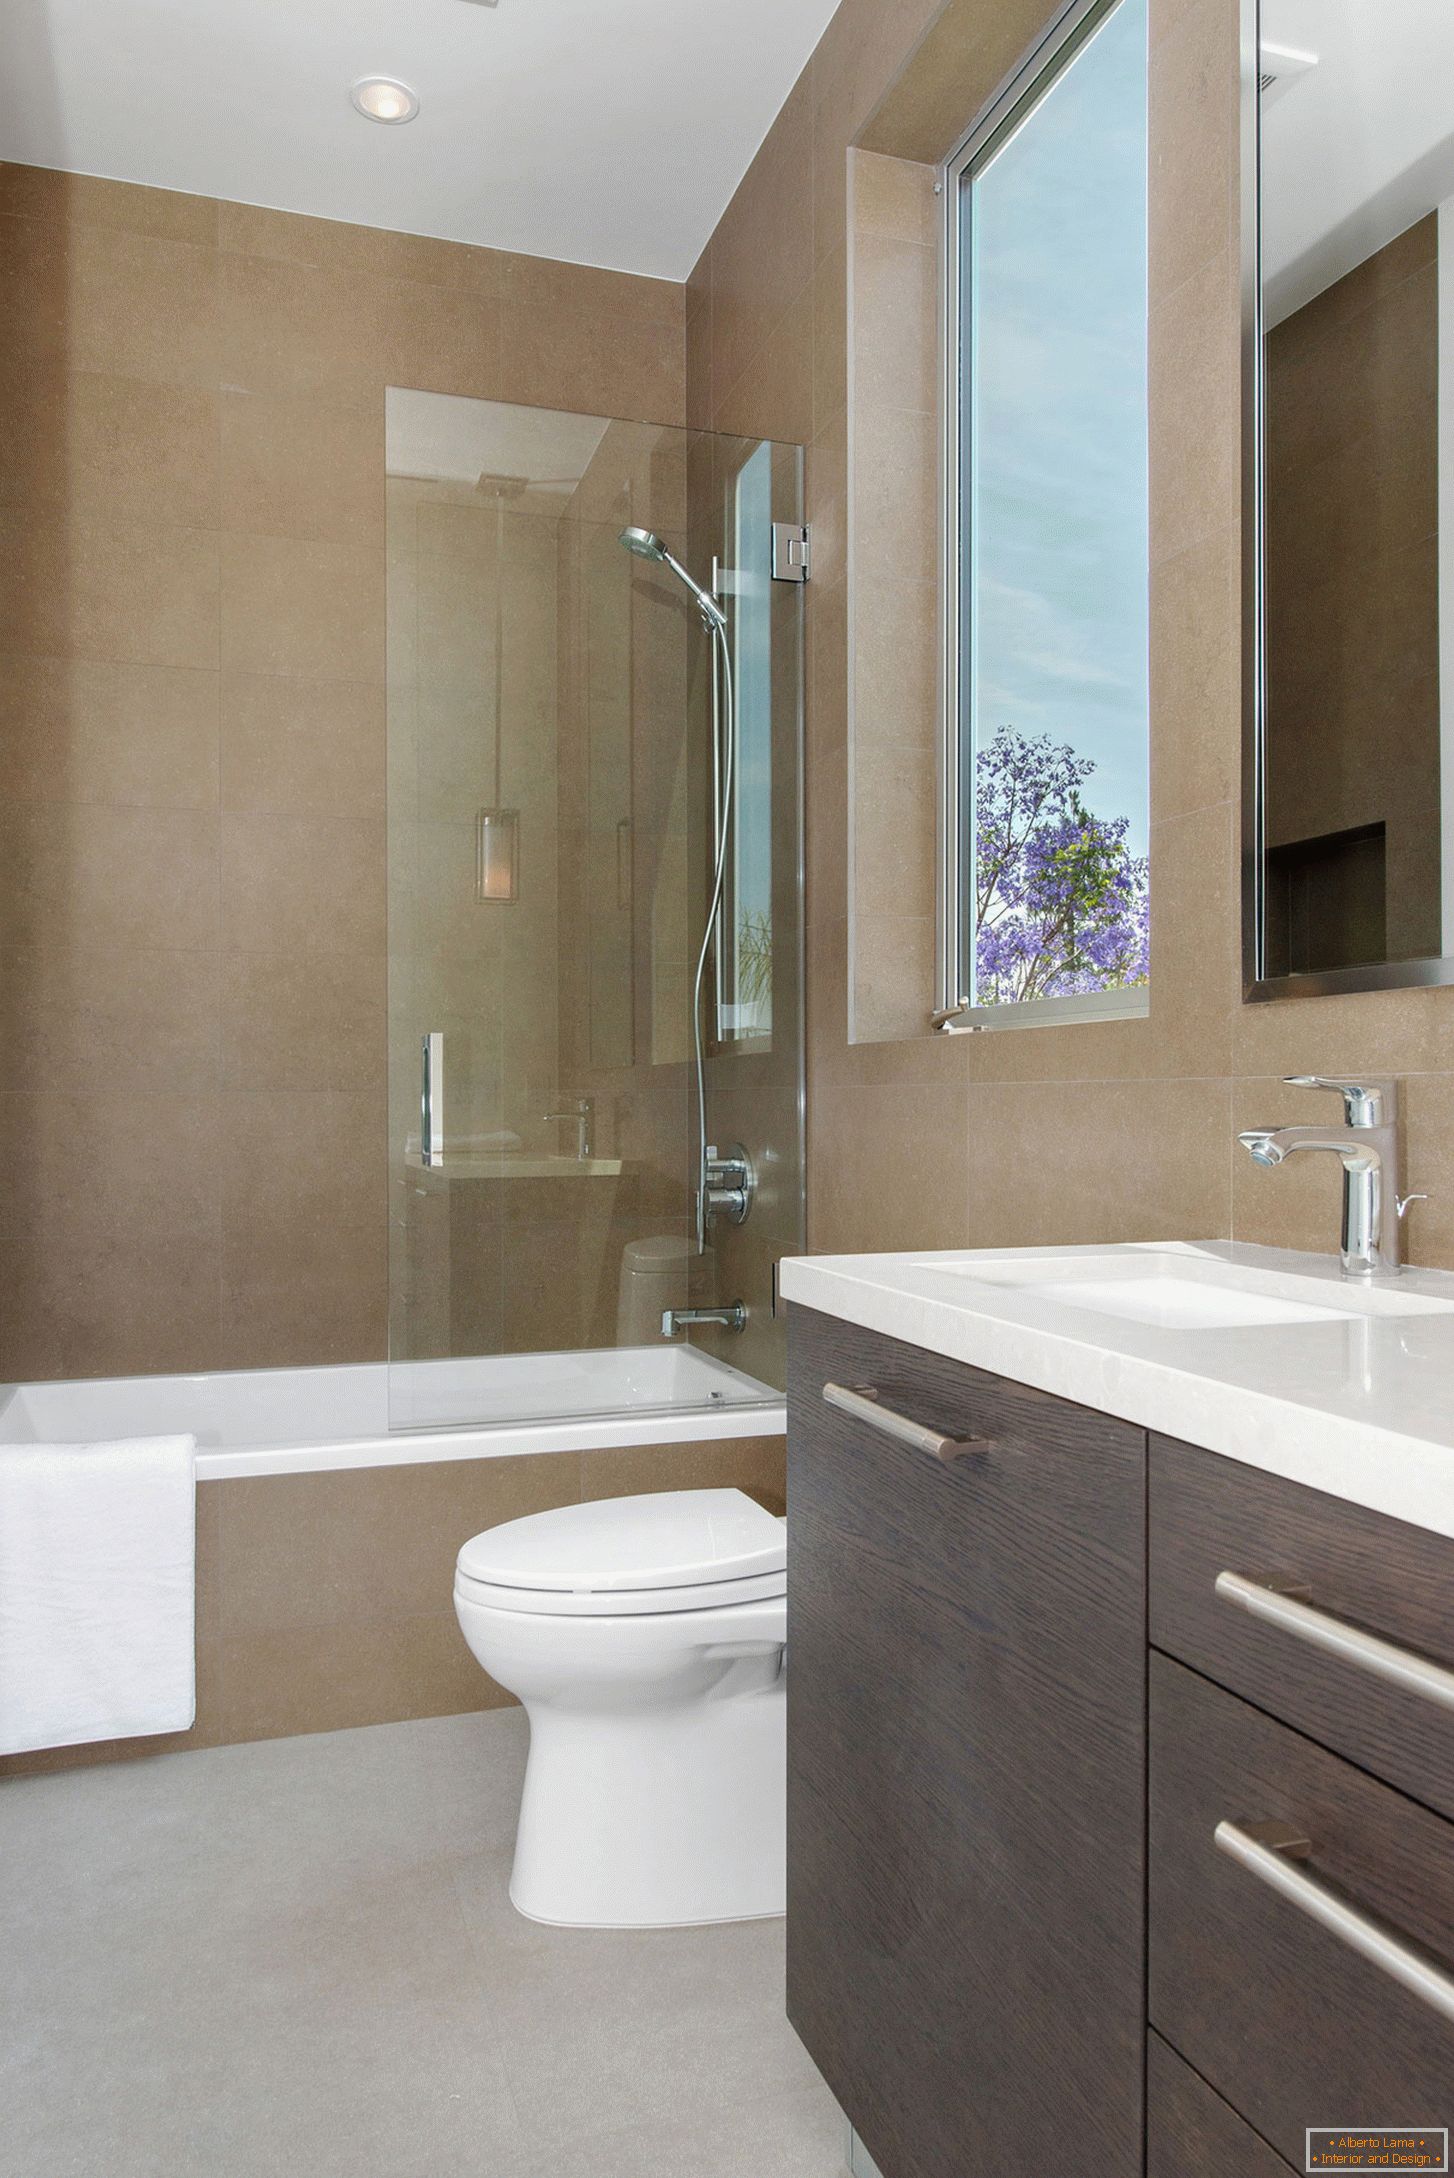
(1011, 105)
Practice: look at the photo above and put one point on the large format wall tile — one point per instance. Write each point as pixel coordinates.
(298, 605)
(299, 1020)
(301, 465)
(42, 192)
(192, 744)
(292, 746)
(290, 329)
(110, 1015)
(93, 730)
(302, 884)
(94, 443)
(309, 1164)
(139, 307)
(130, 592)
(89, 877)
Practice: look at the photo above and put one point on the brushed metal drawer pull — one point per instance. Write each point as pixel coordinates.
(862, 1402)
(1282, 1604)
(1270, 1852)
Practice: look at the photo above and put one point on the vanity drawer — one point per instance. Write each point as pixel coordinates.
(1288, 2020)
(1191, 2132)
(1210, 1516)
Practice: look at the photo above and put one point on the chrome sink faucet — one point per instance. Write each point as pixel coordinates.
(1369, 1145)
(582, 1115)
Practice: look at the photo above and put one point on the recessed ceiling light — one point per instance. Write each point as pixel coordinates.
(381, 98)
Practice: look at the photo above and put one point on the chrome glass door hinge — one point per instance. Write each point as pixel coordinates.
(790, 549)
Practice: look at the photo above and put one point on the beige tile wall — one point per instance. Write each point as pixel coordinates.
(893, 302)
(192, 890)
(1118, 1130)
(325, 1600)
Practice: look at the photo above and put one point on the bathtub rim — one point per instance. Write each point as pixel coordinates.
(605, 1429)
(493, 1440)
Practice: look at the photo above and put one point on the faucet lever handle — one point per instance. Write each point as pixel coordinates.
(1365, 1103)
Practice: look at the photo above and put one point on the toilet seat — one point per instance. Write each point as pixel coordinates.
(675, 1550)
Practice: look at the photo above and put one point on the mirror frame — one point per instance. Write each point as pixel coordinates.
(1257, 986)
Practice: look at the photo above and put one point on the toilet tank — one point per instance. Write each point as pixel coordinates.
(653, 1279)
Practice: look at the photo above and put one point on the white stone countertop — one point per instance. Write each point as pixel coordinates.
(1355, 1398)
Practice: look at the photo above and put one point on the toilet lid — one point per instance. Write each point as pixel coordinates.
(672, 1539)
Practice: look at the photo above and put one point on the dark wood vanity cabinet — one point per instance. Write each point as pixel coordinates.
(1289, 2022)
(1209, 1517)
(966, 1798)
(996, 1741)
(1191, 2132)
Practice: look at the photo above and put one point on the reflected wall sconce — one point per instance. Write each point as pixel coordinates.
(497, 856)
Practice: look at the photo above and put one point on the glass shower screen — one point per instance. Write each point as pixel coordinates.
(555, 808)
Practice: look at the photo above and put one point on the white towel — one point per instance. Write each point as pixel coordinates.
(97, 1591)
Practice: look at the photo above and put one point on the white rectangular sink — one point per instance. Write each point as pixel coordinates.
(1185, 1292)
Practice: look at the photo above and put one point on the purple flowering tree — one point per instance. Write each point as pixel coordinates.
(1061, 907)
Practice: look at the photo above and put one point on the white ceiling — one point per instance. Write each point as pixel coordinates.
(1358, 147)
(607, 132)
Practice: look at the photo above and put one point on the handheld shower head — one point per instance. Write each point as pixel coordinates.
(646, 545)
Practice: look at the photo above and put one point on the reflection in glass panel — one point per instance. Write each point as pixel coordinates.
(745, 1008)
(1357, 183)
(550, 829)
(1053, 543)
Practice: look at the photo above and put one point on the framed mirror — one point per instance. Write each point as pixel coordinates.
(1349, 329)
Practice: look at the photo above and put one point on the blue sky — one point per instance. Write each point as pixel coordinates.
(1057, 333)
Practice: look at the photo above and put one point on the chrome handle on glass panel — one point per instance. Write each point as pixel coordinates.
(431, 1099)
(1287, 1604)
(862, 1402)
(1270, 1851)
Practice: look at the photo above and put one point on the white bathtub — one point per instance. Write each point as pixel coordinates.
(290, 1421)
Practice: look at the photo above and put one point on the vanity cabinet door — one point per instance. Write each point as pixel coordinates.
(1191, 2132)
(966, 1690)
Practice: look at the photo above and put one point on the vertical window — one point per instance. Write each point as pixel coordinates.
(1045, 903)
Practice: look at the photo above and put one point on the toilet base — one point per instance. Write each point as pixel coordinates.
(669, 1817)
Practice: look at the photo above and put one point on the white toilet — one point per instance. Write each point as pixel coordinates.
(644, 1637)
